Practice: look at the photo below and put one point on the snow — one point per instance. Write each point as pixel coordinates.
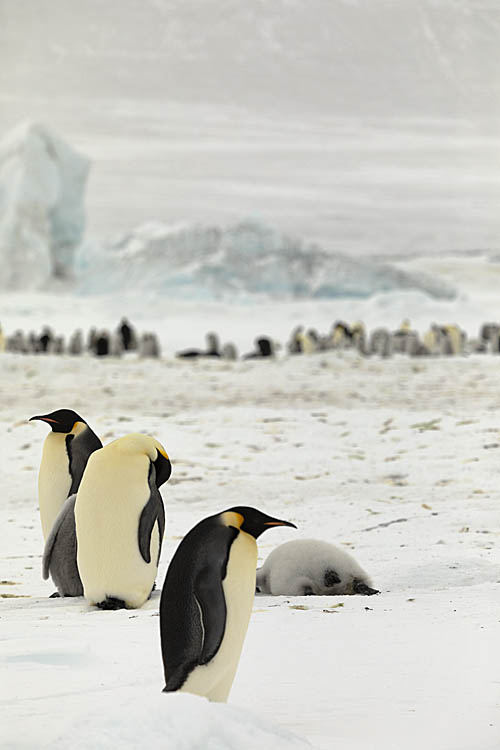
(394, 461)
(42, 181)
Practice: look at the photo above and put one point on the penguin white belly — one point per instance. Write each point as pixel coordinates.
(54, 480)
(214, 680)
(108, 554)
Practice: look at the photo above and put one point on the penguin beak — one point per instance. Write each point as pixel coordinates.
(280, 523)
(44, 419)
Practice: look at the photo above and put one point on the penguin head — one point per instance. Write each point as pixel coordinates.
(136, 443)
(61, 420)
(251, 520)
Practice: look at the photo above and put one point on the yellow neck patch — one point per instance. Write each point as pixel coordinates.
(229, 518)
(77, 428)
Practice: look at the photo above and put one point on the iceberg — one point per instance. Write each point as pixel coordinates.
(42, 219)
(242, 261)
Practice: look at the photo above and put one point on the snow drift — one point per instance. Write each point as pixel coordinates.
(42, 182)
(244, 259)
(145, 717)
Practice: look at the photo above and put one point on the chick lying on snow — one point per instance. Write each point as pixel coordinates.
(311, 566)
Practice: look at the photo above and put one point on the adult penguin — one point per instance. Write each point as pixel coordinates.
(66, 451)
(120, 520)
(207, 599)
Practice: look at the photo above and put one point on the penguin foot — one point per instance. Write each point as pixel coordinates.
(111, 603)
(363, 589)
(55, 595)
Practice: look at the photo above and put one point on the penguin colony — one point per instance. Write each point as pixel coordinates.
(103, 521)
(439, 340)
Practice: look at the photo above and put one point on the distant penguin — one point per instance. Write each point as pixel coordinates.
(294, 345)
(149, 346)
(127, 335)
(75, 343)
(456, 337)
(56, 345)
(45, 340)
(207, 600)
(115, 345)
(263, 348)
(380, 342)
(33, 343)
(308, 344)
(340, 336)
(229, 351)
(431, 340)
(66, 450)
(212, 349)
(489, 331)
(102, 344)
(18, 343)
(92, 339)
(311, 566)
(59, 556)
(120, 520)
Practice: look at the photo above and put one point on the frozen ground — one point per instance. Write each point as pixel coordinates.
(395, 460)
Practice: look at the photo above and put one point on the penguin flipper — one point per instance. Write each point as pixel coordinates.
(153, 511)
(67, 508)
(79, 448)
(209, 596)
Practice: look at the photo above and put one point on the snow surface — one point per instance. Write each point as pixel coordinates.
(42, 182)
(395, 461)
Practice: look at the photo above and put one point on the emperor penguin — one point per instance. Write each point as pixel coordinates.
(312, 566)
(65, 453)
(120, 520)
(207, 600)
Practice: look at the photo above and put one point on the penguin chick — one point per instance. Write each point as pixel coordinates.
(311, 566)
(120, 520)
(59, 557)
(207, 599)
(66, 450)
